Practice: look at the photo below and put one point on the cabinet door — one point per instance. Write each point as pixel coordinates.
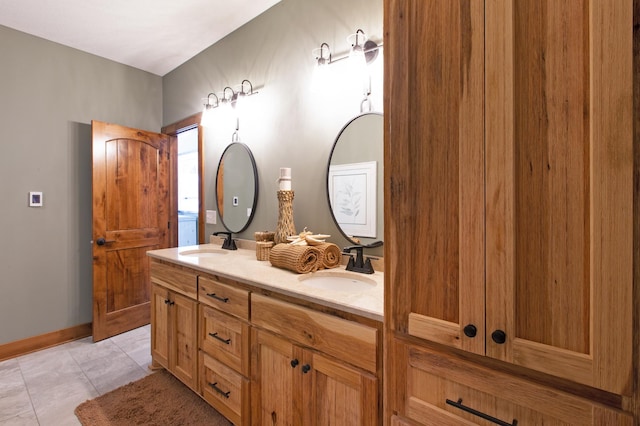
(160, 325)
(339, 394)
(276, 381)
(184, 346)
(559, 188)
(434, 170)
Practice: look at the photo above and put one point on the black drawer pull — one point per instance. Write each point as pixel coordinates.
(306, 368)
(222, 299)
(215, 336)
(220, 391)
(470, 410)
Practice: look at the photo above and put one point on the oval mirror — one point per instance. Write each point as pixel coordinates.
(236, 187)
(355, 179)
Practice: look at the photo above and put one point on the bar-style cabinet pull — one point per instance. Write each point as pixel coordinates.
(215, 336)
(458, 404)
(220, 391)
(222, 299)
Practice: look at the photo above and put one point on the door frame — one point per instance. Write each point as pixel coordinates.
(188, 123)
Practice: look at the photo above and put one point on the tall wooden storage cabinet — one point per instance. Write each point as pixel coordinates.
(509, 207)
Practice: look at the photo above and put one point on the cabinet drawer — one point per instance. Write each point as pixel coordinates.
(175, 278)
(444, 390)
(346, 340)
(226, 390)
(225, 338)
(229, 299)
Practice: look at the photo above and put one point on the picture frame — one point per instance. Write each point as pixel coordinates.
(353, 197)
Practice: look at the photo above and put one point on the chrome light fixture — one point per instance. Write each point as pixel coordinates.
(231, 99)
(320, 55)
(228, 97)
(361, 47)
(207, 112)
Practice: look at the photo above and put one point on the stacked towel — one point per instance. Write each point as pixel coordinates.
(305, 259)
(300, 259)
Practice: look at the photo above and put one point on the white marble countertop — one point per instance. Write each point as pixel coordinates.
(241, 265)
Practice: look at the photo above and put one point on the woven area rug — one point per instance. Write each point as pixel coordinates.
(157, 399)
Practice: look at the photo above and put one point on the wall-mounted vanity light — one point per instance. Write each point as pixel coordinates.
(228, 100)
(228, 97)
(361, 48)
(242, 94)
(361, 53)
(209, 104)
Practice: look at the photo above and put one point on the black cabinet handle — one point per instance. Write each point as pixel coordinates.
(169, 302)
(294, 363)
(215, 336)
(222, 299)
(470, 330)
(458, 404)
(220, 391)
(306, 368)
(499, 337)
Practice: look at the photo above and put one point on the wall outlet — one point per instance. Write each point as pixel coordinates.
(211, 217)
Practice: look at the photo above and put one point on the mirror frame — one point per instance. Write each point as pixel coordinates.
(255, 186)
(333, 216)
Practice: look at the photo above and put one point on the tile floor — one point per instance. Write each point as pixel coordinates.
(43, 388)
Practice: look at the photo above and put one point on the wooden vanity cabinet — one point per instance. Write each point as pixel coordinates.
(224, 348)
(260, 360)
(509, 190)
(174, 322)
(311, 368)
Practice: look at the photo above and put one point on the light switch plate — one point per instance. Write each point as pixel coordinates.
(211, 217)
(35, 199)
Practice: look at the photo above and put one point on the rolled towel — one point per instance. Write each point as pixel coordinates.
(330, 255)
(300, 259)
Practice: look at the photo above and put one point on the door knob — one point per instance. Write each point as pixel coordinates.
(102, 241)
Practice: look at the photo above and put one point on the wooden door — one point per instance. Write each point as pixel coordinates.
(434, 170)
(131, 211)
(337, 394)
(559, 188)
(276, 381)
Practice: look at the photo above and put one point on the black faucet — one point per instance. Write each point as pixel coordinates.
(229, 243)
(360, 264)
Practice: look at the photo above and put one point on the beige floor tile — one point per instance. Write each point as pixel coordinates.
(45, 387)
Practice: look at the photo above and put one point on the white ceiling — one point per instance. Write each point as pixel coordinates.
(153, 35)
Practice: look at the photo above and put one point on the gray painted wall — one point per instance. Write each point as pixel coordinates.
(50, 93)
(287, 125)
(48, 96)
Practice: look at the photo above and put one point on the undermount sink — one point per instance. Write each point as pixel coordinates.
(338, 281)
(203, 253)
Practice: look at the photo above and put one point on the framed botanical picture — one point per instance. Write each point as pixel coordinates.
(352, 193)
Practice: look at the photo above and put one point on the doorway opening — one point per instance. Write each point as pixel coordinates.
(188, 187)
